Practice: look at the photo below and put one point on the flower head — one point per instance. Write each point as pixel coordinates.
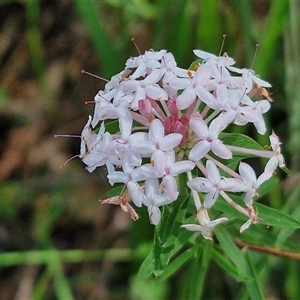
(166, 122)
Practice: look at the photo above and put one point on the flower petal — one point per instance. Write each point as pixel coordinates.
(187, 97)
(199, 150)
(170, 141)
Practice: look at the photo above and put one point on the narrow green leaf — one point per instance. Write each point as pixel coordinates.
(41, 286)
(224, 263)
(157, 259)
(273, 217)
(209, 26)
(110, 58)
(231, 250)
(292, 276)
(292, 200)
(162, 254)
(61, 283)
(177, 263)
(276, 23)
(243, 8)
(267, 186)
(70, 256)
(268, 216)
(112, 126)
(182, 239)
(147, 267)
(34, 38)
(199, 271)
(253, 285)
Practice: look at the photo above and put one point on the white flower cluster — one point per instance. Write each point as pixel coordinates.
(169, 122)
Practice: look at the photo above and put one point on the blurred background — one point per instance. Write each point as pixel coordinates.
(56, 240)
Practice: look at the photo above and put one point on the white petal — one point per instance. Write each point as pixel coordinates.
(203, 74)
(192, 227)
(211, 198)
(187, 97)
(199, 127)
(117, 176)
(216, 126)
(203, 54)
(151, 188)
(260, 126)
(263, 177)
(261, 82)
(148, 170)
(155, 92)
(154, 215)
(213, 172)
(245, 226)
(180, 83)
(156, 131)
(182, 167)
(170, 141)
(248, 199)
(233, 185)
(199, 150)
(200, 184)
(205, 96)
(140, 71)
(152, 78)
(135, 193)
(171, 191)
(271, 165)
(219, 149)
(158, 160)
(247, 173)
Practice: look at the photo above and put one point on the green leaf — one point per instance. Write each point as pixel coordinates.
(182, 239)
(42, 284)
(272, 217)
(231, 250)
(61, 282)
(267, 186)
(165, 234)
(147, 267)
(244, 142)
(177, 263)
(110, 57)
(166, 251)
(199, 270)
(112, 126)
(162, 254)
(291, 201)
(268, 216)
(240, 140)
(224, 263)
(253, 285)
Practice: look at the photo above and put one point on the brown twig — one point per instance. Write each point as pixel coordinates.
(269, 250)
